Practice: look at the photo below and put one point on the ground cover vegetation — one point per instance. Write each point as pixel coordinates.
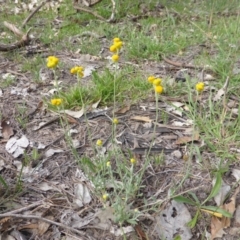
(119, 120)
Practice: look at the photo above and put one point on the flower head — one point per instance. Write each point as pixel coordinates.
(105, 196)
(115, 58)
(118, 45)
(116, 39)
(115, 121)
(199, 86)
(157, 81)
(56, 101)
(108, 164)
(113, 48)
(151, 79)
(52, 61)
(77, 70)
(158, 89)
(133, 161)
(99, 142)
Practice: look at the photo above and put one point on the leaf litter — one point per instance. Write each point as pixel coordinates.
(57, 172)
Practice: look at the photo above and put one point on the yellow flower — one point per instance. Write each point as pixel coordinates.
(216, 214)
(115, 121)
(157, 81)
(115, 40)
(113, 48)
(99, 142)
(200, 86)
(56, 101)
(108, 164)
(115, 58)
(52, 61)
(151, 79)
(118, 45)
(133, 160)
(158, 89)
(105, 196)
(77, 70)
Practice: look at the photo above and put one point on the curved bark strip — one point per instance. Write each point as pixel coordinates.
(8, 47)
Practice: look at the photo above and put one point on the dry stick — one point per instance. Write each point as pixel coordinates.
(33, 12)
(13, 28)
(89, 11)
(17, 73)
(23, 42)
(41, 219)
(111, 19)
(27, 207)
(178, 64)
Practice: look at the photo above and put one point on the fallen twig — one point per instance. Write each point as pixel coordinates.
(23, 42)
(178, 64)
(4, 215)
(33, 12)
(89, 11)
(41, 202)
(111, 19)
(13, 28)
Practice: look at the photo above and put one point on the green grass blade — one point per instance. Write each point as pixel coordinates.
(193, 222)
(3, 182)
(216, 187)
(218, 210)
(193, 195)
(182, 199)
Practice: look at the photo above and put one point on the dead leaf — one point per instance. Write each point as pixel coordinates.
(50, 152)
(141, 118)
(237, 217)
(217, 225)
(121, 231)
(216, 228)
(236, 174)
(2, 164)
(224, 190)
(140, 232)
(186, 139)
(221, 91)
(175, 108)
(95, 105)
(28, 226)
(88, 71)
(7, 130)
(230, 207)
(123, 109)
(82, 195)
(235, 111)
(43, 226)
(16, 147)
(75, 114)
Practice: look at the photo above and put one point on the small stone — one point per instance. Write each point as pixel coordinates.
(177, 154)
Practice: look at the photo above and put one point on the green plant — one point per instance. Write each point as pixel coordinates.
(193, 200)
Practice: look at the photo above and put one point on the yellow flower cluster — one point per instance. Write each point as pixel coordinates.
(115, 48)
(115, 121)
(156, 82)
(199, 87)
(56, 101)
(99, 143)
(52, 61)
(105, 196)
(133, 161)
(77, 70)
